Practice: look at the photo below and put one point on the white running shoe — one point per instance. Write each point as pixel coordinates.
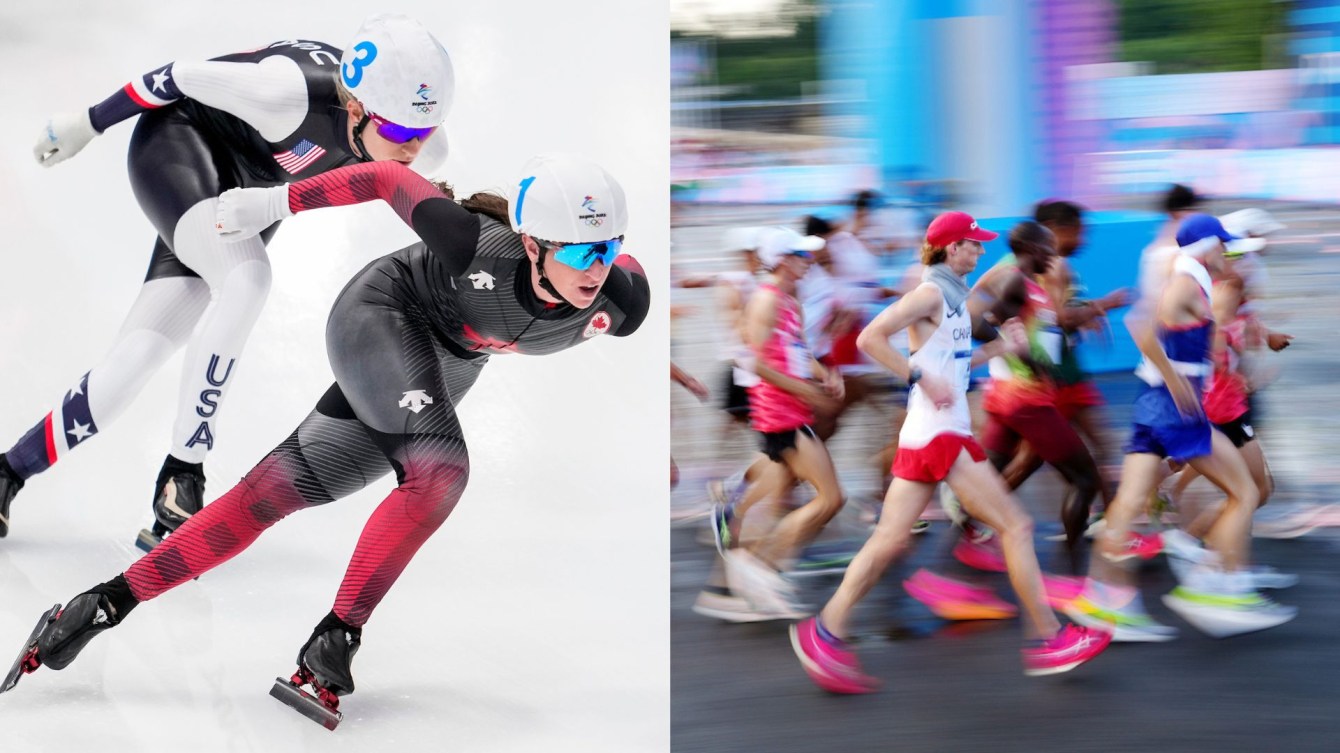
(722, 604)
(1221, 615)
(1117, 610)
(766, 590)
(1129, 624)
(1179, 543)
(1265, 576)
(951, 506)
(1096, 525)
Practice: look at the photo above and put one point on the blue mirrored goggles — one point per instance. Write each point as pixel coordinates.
(398, 134)
(581, 256)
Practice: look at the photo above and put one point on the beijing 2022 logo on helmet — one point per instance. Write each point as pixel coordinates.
(426, 105)
(593, 217)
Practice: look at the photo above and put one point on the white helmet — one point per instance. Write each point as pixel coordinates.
(399, 71)
(777, 243)
(743, 238)
(565, 199)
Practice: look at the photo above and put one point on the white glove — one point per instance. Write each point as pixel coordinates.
(63, 137)
(244, 212)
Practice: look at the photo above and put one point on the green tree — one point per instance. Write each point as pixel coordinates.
(765, 58)
(1201, 36)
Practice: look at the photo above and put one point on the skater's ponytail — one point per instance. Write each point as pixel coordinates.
(488, 204)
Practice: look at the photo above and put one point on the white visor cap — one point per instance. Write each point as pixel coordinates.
(780, 242)
(1251, 225)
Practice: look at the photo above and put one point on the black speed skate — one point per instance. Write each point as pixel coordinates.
(62, 633)
(178, 494)
(324, 665)
(10, 484)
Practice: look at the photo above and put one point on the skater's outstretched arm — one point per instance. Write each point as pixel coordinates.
(450, 231)
(270, 95)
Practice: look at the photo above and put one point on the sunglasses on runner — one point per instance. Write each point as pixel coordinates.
(581, 256)
(398, 134)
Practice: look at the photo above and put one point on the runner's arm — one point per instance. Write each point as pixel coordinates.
(1173, 308)
(760, 319)
(919, 304)
(1010, 338)
(1057, 280)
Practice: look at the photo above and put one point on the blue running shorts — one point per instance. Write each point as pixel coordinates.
(1159, 429)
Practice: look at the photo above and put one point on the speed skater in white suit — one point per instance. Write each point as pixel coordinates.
(251, 119)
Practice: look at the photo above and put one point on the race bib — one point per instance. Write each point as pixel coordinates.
(1050, 339)
(798, 360)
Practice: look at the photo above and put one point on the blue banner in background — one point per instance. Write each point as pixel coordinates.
(1109, 259)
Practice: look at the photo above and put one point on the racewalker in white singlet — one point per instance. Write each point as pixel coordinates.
(936, 445)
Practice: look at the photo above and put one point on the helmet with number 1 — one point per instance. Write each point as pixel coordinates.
(565, 199)
(399, 71)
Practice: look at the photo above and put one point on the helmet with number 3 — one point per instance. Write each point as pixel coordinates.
(399, 71)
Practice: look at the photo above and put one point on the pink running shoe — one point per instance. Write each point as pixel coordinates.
(955, 600)
(980, 549)
(1138, 545)
(1061, 589)
(1070, 648)
(833, 668)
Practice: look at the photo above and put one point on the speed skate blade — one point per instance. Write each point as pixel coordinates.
(304, 703)
(147, 540)
(16, 671)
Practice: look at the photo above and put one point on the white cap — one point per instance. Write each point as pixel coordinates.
(399, 71)
(743, 238)
(565, 199)
(777, 243)
(1251, 225)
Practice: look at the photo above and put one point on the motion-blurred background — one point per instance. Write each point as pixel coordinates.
(786, 109)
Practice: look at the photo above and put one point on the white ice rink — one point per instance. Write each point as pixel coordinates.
(536, 619)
